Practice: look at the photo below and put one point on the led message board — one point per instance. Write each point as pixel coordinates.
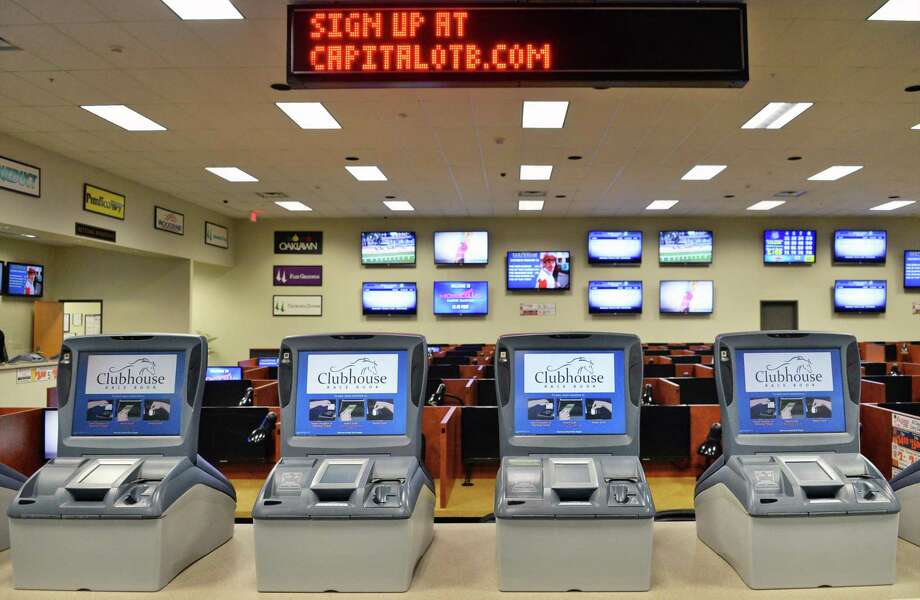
(368, 44)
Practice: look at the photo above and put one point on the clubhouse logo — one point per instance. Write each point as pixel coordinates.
(788, 371)
(131, 374)
(560, 373)
(352, 373)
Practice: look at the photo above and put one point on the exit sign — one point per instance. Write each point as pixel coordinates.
(516, 44)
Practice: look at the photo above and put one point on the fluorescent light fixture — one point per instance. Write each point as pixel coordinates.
(776, 114)
(232, 174)
(766, 205)
(367, 173)
(399, 205)
(124, 117)
(536, 172)
(897, 10)
(917, 127)
(293, 205)
(703, 172)
(661, 204)
(834, 173)
(530, 204)
(28, 235)
(893, 205)
(540, 114)
(203, 10)
(309, 115)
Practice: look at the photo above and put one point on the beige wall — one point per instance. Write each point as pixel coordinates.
(235, 304)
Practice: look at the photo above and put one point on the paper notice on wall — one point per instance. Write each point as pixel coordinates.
(538, 310)
(916, 308)
(905, 441)
(93, 324)
(36, 374)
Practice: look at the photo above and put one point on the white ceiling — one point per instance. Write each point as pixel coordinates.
(208, 83)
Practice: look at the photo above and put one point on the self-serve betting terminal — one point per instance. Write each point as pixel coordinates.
(792, 503)
(571, 489)
(349, 507)
(10, 482)
(128, 503)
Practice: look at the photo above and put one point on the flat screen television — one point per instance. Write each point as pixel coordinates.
(387, 248)
(685, 297)
(860, 246)
(614, 247)
(614, 297)
(685, 247)
(1, 276)
(223, 374)
(539, 270)
(461, 297)
(912, 269)
(389, 298)
(789, 246)
(554, 395)
(129, 394)
(267, 361)
(772, 396)
(860, 295)
(357, 393)
(461, 248)
(24, 279)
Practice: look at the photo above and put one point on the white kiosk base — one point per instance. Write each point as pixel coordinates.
(588, 555)
(797, 552)
(909, 526)
(342, 555)
(6, 496)
(124, 555)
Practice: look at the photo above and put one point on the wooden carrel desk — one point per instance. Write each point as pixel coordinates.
(460, 565)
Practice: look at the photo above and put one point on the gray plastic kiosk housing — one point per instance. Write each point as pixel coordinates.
(572, 497)
(362, 496)
(125, 509)
(906, 486)
(786, 508)
(10, 482)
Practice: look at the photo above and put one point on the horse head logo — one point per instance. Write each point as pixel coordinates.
(797, 363)
(365, 366)
(581, 365)
(144, 366)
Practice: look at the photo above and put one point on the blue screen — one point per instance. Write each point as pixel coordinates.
(385, 298)
(860, 246)
(685, 247)
(789, 246)
(268, 361)
(223, 374)
(544, 270)
(912, 269)
(129, 394)
(614, 297)
(790, 391)
(359, 393)
(860, 295)
(563, 392)
(461, 247)
(615, 247)
(24, 280)
(388, 248)
(461, 297)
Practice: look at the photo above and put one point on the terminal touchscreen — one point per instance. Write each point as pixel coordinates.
(569, 392)
(352, 394)
(129, 394)
(790, 392)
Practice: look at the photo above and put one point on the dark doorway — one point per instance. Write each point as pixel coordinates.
(779, 315)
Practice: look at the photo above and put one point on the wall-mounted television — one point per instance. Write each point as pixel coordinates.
(860, 295)
(789, 246)
(461, 297)
(1, 276)
(912, 269)
(267, 361)
(461, 248)
(685, 247)
(614, 247)
(685, 297)
(387, 248)
(539, 270)
(24, 279)
(389, 298)
(860, 246)
(223, 374)
(614, 297)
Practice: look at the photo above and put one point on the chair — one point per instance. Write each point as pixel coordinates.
(478, 438)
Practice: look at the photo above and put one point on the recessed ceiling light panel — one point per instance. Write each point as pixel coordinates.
(293, 205)
(530, 205)
(897, 10)
(234, 174)
(124, 117)
(776, 114)
(538, 114)
(367, 173)
(399, 205)
(662, 204)
(309, 115)
(893, 205)
(204, 10)
(766, 205)
(536, 172)
(834, 173)
(703, 172)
